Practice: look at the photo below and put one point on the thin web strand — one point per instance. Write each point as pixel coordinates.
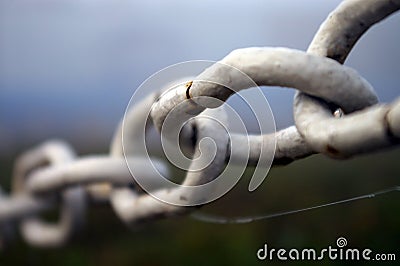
(209, 218)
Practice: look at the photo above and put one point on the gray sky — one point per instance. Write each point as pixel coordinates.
(69, 67)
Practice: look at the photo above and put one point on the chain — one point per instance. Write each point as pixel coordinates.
(336, 113)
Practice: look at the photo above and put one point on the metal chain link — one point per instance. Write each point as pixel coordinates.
(336, 113)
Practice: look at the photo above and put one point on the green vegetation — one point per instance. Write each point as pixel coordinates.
(372, 223)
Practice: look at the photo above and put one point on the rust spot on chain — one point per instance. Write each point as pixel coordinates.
(188, 85)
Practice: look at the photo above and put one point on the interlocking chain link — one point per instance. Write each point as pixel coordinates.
(336, 113)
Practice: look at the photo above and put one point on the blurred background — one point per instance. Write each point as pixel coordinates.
(68, 69)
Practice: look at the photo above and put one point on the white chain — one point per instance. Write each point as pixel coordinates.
(336, 113)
